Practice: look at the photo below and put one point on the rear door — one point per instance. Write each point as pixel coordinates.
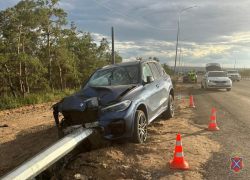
(165, 85)
(159, 83)
(151, 91)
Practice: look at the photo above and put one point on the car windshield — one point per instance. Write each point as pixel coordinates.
(232, 71)
(217, 74)
(114, 76)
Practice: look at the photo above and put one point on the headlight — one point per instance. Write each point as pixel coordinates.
(117, 107)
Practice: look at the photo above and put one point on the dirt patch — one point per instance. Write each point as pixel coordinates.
(150, 160)
(185, 86)
(28, 130)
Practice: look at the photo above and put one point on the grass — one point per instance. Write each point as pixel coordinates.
(33, 98)
(245, 73)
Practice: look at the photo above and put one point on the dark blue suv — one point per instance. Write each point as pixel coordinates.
(120, 101)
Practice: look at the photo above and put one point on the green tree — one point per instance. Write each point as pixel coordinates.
(156, 59)
(167, 69)
(51, 20)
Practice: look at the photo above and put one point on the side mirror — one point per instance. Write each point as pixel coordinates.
(149, 79)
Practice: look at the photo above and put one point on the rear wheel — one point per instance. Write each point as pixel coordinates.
(140, 127)
(169, 113)
(228, 89)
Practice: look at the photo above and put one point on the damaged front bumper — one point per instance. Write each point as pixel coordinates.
(111, 125)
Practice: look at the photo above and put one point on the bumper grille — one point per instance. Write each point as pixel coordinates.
(219, 81)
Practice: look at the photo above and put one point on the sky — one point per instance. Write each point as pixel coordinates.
(214, 31)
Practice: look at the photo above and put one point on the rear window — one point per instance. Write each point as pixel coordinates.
(160, 68)
(155, 70)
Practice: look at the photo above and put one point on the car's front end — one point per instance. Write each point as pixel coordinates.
(218, 83)
(234, 77)
(106, 103)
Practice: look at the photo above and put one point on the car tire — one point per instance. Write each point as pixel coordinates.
(238, 80)
(140, 127)
(228, 89)
(169, 113)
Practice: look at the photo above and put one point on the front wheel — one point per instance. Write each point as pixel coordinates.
(228, 89)
(140, 127)
(169, 113)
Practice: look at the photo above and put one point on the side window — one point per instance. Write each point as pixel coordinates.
(155, 70)
(146, 72)
(161, 70)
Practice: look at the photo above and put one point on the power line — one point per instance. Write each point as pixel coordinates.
(132, 19)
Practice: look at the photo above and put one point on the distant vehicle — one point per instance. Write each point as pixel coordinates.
(233, 75)
(213, 67)
(216, 80)
(185, 77)
(119, 101)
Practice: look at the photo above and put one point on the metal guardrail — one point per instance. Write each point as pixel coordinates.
(37, 164)
(245, 77)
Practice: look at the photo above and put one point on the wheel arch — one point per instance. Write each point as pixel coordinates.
(143, 108)
(172, 92)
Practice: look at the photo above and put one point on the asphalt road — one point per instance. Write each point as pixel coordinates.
(233, 118)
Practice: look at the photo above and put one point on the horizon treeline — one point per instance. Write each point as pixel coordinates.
(38, 52)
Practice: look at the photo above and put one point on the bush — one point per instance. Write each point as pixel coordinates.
(245, 73)
(9, 102)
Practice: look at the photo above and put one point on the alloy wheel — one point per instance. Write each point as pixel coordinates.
(142, 126)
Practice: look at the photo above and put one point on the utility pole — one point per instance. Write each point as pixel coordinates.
(179, 63)
(113, 46)
(178, 31)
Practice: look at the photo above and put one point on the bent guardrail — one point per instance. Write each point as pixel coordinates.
(49, 156)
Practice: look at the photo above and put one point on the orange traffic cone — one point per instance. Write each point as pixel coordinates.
(178, 162)
(212, 125)
(191, 103)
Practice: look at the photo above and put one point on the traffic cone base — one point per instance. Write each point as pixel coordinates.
(183, 165)
(213, 128)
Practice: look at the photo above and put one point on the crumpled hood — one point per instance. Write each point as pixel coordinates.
(218, 78)
(107, 94)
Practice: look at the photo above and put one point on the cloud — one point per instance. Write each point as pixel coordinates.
(218, 30)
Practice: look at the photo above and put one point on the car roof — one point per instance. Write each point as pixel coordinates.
(127, 63)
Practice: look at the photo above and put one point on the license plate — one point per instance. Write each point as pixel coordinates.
(219, 84)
